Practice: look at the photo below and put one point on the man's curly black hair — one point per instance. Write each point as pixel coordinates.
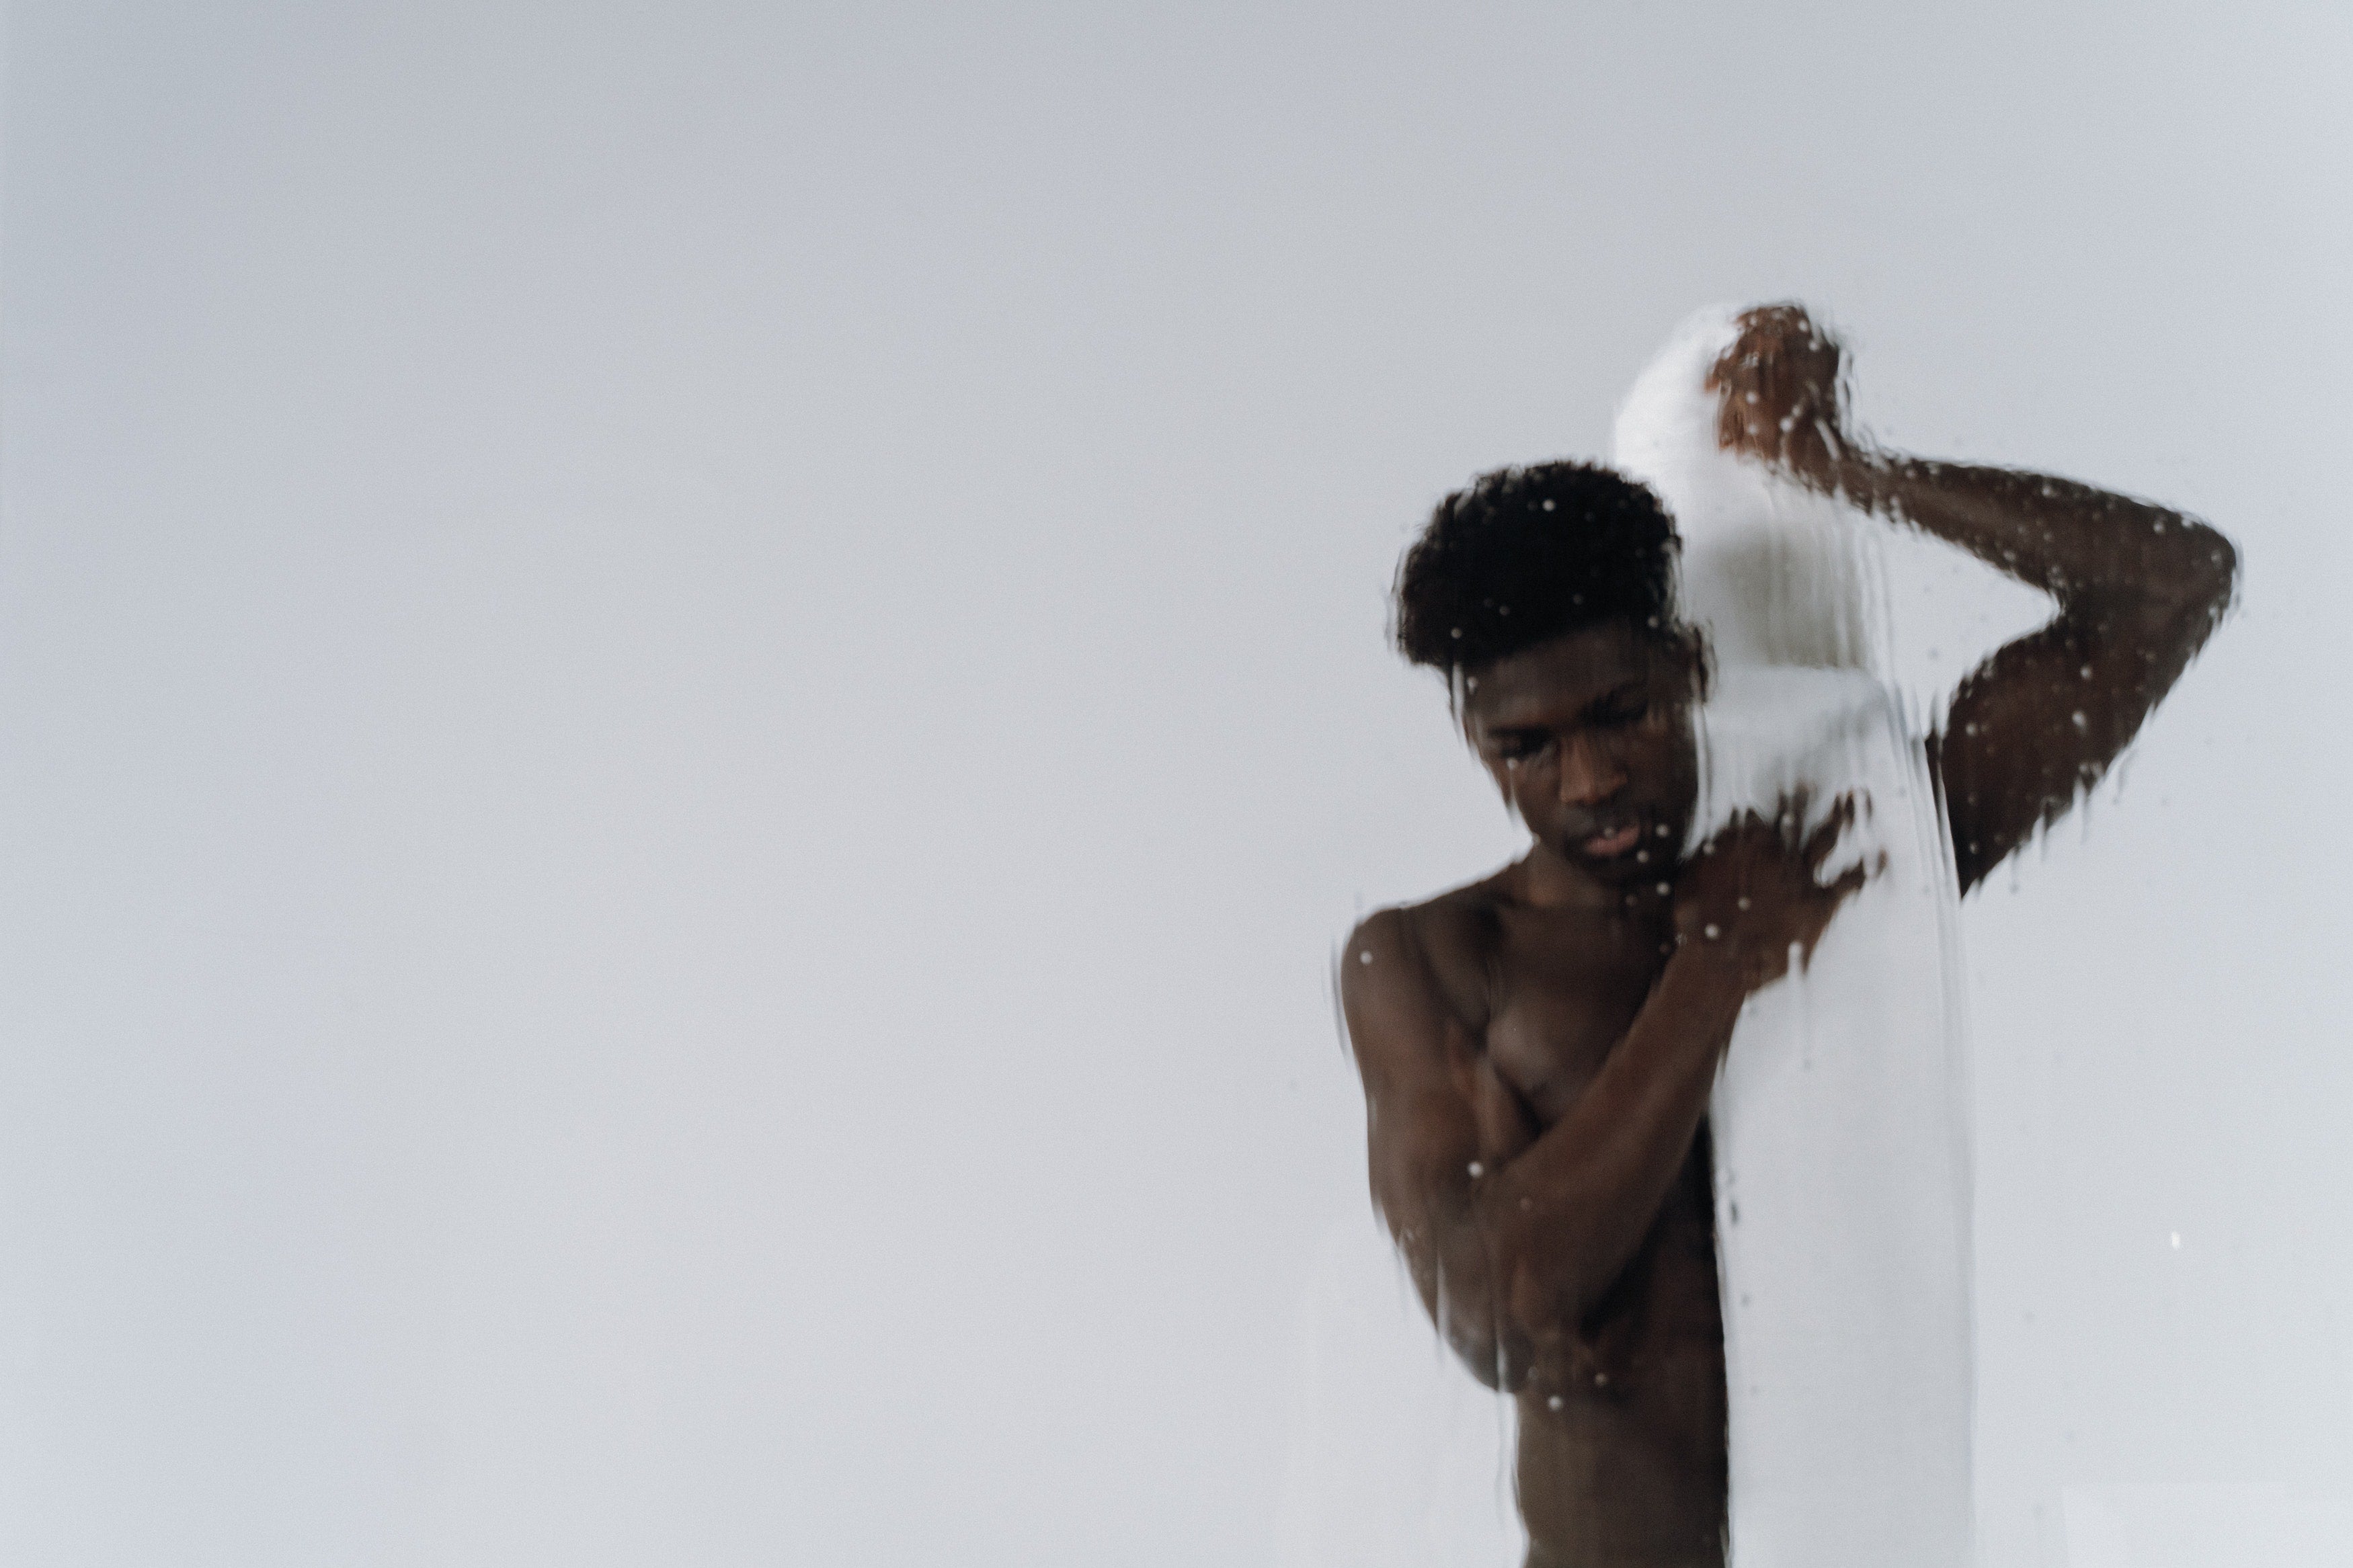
(1526, 554)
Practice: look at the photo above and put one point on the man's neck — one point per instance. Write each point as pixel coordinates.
(1543, 879)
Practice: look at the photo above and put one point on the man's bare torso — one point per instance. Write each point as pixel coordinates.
(1622, 1420)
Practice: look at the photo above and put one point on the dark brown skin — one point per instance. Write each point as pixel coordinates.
(1537, 1049)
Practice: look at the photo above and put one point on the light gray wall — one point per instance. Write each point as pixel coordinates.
(689, 697)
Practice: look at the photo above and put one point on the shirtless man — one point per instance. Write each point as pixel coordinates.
(1537, 1049)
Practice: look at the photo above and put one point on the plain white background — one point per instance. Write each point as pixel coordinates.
(690, 696)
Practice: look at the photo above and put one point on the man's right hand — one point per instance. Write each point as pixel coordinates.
(1781, 395)
(1754, 890)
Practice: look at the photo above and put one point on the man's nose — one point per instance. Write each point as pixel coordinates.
(1588, 774)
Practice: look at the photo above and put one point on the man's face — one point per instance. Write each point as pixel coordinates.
(1588, 736)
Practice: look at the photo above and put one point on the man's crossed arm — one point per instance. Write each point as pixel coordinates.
(1513, 1232)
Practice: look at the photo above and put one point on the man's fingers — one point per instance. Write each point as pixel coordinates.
(1789, 818)
(1825, 838)
(1836, 891)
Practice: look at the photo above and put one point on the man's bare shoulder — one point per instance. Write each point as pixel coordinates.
(1432, 956)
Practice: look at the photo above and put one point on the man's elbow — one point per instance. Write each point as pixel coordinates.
(2172, 613)
(2212, 587)
(1529, 1301)
(1479, 1324)
(2208, 581)
(1497, 1354)
(2210, 576)
(1498, 1292)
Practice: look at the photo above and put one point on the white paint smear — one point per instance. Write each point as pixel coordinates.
(1840, 1119)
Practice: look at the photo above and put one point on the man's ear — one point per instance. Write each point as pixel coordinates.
(1699, 663)
(1468, 730)
(1693, 663)
(1461, 686)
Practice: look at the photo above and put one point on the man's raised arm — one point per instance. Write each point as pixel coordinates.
(2140, 588)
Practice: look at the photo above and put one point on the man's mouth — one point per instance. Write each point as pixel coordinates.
(1617, 841)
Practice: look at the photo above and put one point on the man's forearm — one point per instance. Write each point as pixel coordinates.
(1563, 1218)
(2072, 541)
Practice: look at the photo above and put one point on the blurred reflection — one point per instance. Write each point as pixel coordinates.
(1667, 1116)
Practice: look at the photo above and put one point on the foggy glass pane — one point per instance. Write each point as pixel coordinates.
(696, 699)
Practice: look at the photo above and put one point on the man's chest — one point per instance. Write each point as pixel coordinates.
(1561, 995)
